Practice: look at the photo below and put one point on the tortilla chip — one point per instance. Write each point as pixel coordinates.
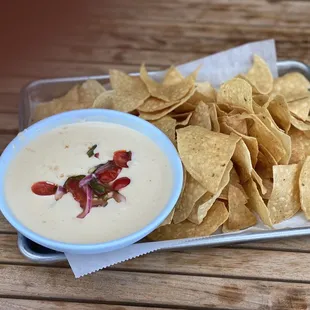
(292, 86)
(259, 181)
(159, 114)
(168, 93)
(268, 184)
(240, 217)
(299, 124)
(300, 108)
(68, 102)
(173, 76)
(242, 158)
(217, 215)
(193, 191)
(300, 145)
(185, 121)
(250, 142)
(104, 100)
(89, 91)
(168, 219)
(284, 201)
(237, 123)
(130, 92)
(204, 92)
(213, 115)
(205, 154)
(256, 203)
(278, 109)
(153, 104)
(186, 107)
(167, 126)
(259, 76)
(261, 100)
(201, 116)
(304, 187)
(203, 205)
(234, 180)
(236, 93)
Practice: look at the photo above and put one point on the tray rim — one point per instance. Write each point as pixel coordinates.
(212, 241)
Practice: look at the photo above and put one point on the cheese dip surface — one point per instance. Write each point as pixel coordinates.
(62, 153)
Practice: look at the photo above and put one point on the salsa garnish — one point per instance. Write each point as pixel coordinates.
(94, 189)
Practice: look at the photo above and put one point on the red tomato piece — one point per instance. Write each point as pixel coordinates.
(44, 188)
(78, 193)
(108, 172)
(121, 158)
(120, 183)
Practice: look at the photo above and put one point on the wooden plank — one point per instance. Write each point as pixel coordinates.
(153, 289)
(8, 123)
(24, 304)
(5, 226)
(9, 103)
(227, 262)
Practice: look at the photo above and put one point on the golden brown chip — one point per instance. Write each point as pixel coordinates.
(159, 114)
(268, 184)
(89, 91)
(193, 191)
(256, 203)
(250, 142)
(68, 102)
(236, 93)
(234, 180)
(168, 93)
(237, 123)
(304, 187)
(168, 219)
(284, 201)
(292, 86)
(217, 215)
(205, 154)
(261, 100)
(299, 124)
(256, 177)
(130, 92)
(240, 217)
(203, 205)
(185, 121)
(172, 76)
(204, 92)
(300, 108)
(300, 145)
(104, 100)
(153, 104)
(213, 115)
(186, 107)
(278, 109)
(167, 126)
(242, 158)
(201, 116)
(259, 76)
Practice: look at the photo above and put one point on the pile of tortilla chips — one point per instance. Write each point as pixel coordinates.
(244, 147)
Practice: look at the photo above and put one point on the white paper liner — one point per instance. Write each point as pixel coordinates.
(216, 69)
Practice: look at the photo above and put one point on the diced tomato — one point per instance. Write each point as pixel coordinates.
(121, 158)
(78, 193)
(108, 172)
(120, 183)
(44, 188)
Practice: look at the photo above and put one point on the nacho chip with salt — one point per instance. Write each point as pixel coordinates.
(204, 92)
(242, 159)
(217, 215)
(130, 92)
(89, 91)
(292, 86)
(213, 116)
(300, 108)
(205, 154)
(234, 180)
(300, 145)
(168, 219)
(256, 202)
(240, 217)
(304, 187)
(172, 76)
(167, 126)
(203, 205)
(104, 100)
(201, 116)
(299, 124)
(259, 76)
(185, 121)
(193, 191)
(236, 93)
(284, 201)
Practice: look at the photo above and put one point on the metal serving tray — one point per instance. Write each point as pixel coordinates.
(47, 89)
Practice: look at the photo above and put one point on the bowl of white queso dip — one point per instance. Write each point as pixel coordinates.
(89, 181)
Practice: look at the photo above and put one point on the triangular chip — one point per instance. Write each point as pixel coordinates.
(304, 187)
(299, 124)
(185, 121)
(172, 76)
(205, 154)
(284, 201)
(204, 92)
(167, 126)
(256, 202)
(259, 76)
(300, 108)
(203, 205)
(234, 180)
(242, 158)
(104, 100)
(236, 93)
(217, 215)
(213, 116)
(300, 145)
(201, 116)
(240, 217)
(168, 219)
(88, 92)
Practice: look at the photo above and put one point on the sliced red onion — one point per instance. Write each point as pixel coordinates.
(118, 197)
(89, 199)
(107, 166)
(96, 155)
(60, 192)
(86, 180)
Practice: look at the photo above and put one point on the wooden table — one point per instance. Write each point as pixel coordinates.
(89, 37)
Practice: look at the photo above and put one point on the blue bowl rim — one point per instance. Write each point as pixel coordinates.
(93, 248)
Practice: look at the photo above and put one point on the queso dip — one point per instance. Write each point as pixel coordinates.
(62, 153)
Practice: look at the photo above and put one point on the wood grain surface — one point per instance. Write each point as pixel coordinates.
(65, 38)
